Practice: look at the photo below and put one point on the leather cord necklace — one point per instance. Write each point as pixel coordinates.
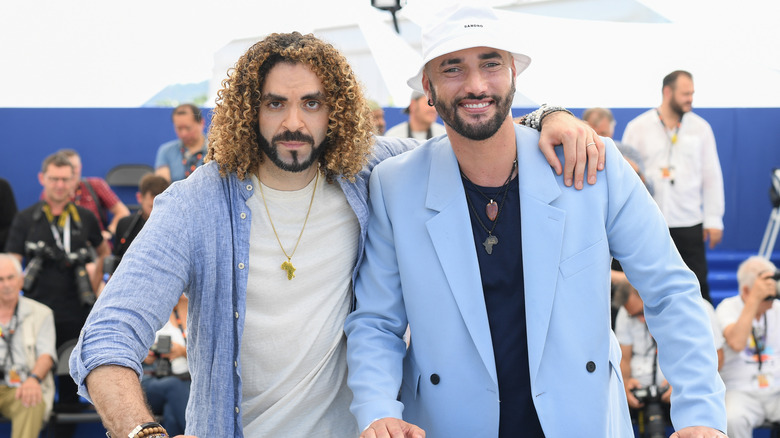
(288, 266)
(492, 209)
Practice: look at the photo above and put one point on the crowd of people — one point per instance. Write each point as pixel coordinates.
(313, 308)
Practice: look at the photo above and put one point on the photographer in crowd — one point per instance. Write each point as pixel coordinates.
(128, 227)
(647, 391)
(166, 380)
(27, 328)
(59, 241)
(751, 368)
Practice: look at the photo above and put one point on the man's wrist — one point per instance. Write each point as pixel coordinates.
(534, 119)
(146, 430)
(36, 377)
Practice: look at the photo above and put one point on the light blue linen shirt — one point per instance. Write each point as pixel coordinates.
(169, 154)
(197, 242)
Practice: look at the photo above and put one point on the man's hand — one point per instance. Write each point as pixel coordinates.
(392, 428)
(29, 393)
(714, 235)
(764, 287)
(633, 402)
(578, 140)
(666, 397)
(177, 350)
(698, 432)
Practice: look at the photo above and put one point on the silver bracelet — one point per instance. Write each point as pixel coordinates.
(549, 110)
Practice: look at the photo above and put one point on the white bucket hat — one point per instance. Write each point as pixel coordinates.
(461, 27)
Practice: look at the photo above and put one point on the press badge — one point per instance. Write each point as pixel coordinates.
(763, 380)
(15, 376)
(667, 173)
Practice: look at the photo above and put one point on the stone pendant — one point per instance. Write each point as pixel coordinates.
(491, 209)
(489, 242)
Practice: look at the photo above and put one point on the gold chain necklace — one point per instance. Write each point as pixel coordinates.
(288, 266)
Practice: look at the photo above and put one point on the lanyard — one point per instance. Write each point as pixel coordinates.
(672, 138)
(428, 135)
(62, 240)
(760, 345)
(190, 163)
(8, 338)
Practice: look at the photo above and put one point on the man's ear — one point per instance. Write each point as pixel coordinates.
(138, 197)
(40, 178)
(667, 91)
(426, 85)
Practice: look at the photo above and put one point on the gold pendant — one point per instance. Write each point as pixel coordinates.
(288, 266)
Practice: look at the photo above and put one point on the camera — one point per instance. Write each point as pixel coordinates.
(77, 262)
(38, 253)
(162, 365)
(110, 263)
(654, 423)
(776, 277)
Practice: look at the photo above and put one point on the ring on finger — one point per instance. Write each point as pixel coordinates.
(590, 144)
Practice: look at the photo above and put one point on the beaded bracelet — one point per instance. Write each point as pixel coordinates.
(146, 430)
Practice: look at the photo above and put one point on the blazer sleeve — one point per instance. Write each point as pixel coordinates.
(639, 238)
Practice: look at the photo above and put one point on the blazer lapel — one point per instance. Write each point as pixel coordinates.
(542, 234)
(450, 232)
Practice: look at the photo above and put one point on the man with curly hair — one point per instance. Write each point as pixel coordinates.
(269, 275)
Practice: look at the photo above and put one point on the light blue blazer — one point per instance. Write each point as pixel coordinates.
(420, 268)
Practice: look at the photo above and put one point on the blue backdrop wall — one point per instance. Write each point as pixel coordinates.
(748, 145)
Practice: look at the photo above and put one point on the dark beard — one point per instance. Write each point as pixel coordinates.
(479, 132)
(676, 107)
(272, 152)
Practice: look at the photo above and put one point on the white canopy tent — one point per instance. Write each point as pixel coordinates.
(614, 54)
(92, 53)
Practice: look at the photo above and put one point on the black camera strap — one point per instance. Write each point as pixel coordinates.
(654, 347)
(122, 243)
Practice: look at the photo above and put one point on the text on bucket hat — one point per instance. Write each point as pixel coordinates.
(461, 27)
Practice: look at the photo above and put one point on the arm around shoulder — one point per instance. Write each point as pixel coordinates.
(117, 395)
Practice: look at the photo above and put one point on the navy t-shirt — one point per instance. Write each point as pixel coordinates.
(502, 283)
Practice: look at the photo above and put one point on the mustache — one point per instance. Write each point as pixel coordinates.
(473, 96)
(293, 136)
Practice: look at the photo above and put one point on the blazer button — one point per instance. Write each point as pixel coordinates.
(435, 379)
(590, 366)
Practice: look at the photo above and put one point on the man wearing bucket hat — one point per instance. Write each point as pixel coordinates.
(502, 275)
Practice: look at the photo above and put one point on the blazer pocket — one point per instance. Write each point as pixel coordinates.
(581, 260)
(410, 384)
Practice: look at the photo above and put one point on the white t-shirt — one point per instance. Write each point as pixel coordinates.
(740, 368)
(632, 331)
(178, 365)
(293, 350)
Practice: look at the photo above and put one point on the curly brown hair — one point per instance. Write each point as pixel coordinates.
(234, 127)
